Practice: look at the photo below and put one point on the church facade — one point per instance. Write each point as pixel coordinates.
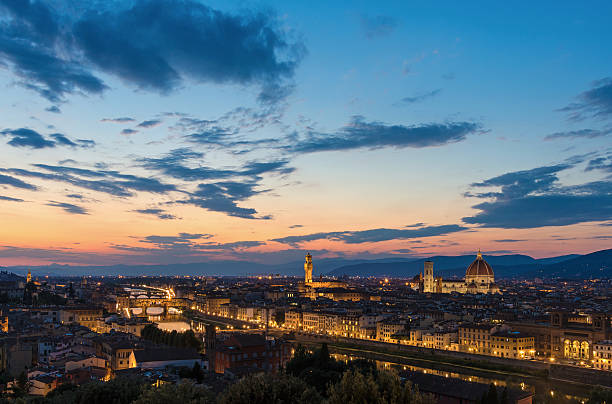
(479, 278)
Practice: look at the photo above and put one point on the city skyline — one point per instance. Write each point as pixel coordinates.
(261, 130)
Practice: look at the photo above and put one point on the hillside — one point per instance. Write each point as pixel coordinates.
(594, 265)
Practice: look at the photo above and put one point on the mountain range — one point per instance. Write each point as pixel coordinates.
(594, 265)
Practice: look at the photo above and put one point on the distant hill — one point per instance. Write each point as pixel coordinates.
(227, 268)
(594, 265)
(442, 264)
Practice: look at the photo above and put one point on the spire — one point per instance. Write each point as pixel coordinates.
(479, 256)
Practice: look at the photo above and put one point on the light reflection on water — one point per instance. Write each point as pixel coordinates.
(178, 326)
(543, 391)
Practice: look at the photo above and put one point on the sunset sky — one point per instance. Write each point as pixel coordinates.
(162, 131)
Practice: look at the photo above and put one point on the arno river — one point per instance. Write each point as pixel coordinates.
(546, 391)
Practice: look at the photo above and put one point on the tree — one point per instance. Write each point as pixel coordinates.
(504, 397)
(184, 393)
(490, 397)
(600, 395)
(121, 390)
(270, 389)
(21, 386)
(197, 373)
(379, 387)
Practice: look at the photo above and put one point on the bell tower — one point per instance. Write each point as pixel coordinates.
(308, 269)
(428, 278)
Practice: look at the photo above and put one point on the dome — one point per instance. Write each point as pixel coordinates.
(479, 267)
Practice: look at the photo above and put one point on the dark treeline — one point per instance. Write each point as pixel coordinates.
(309, 378)
(185, 339)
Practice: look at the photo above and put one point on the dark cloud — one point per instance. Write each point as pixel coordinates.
(151, 123)
(15, 182)
(372, 135)
(295, 226)
(54, 109)
(175, 164)
(534, 198)
(159, 213)
(373, 235)
(579, 134)
(69, 208)
(230, 130)
(509, 240)
(600, 163)
(521, 183)
(377, 26)
(75, 196)
(24, 137)
(420, 97)
(105, 181)
(596, 102)
(224, 197)
(55, 53)
(128, 131)
(118, 120)
(419, 224)
(185, 243)
(10, 199)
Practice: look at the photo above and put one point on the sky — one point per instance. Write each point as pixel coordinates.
(174, 131)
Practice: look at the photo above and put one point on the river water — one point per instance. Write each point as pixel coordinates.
(546, 391)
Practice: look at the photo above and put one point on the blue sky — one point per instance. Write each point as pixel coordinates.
(336, 125)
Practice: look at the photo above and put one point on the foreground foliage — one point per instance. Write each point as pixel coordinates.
(310, 378)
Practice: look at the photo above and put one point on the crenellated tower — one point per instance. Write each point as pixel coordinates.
(308, 269)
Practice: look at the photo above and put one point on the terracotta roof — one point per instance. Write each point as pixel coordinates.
(165, 354)
(479, 267)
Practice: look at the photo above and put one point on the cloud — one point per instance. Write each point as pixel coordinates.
(373, 135)
(175, 164)
(600, 163)
(10, 199)
(57, 53)
(420, 97)
(105, 181)
(124, 119)
(69, 208)
(224, 197)
(15, 182)
(54, 109)
(185, 244)
(534, 198)
(151, 123)
(24, 137)
(372, 235)
(596, 102)
(128, 131)
(159, 213)
(377, 26)
(579, 134)
(295, 226)
(509, 240)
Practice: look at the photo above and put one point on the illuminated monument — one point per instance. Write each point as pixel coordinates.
(310, 285)
(479, 278)
(308, 269)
